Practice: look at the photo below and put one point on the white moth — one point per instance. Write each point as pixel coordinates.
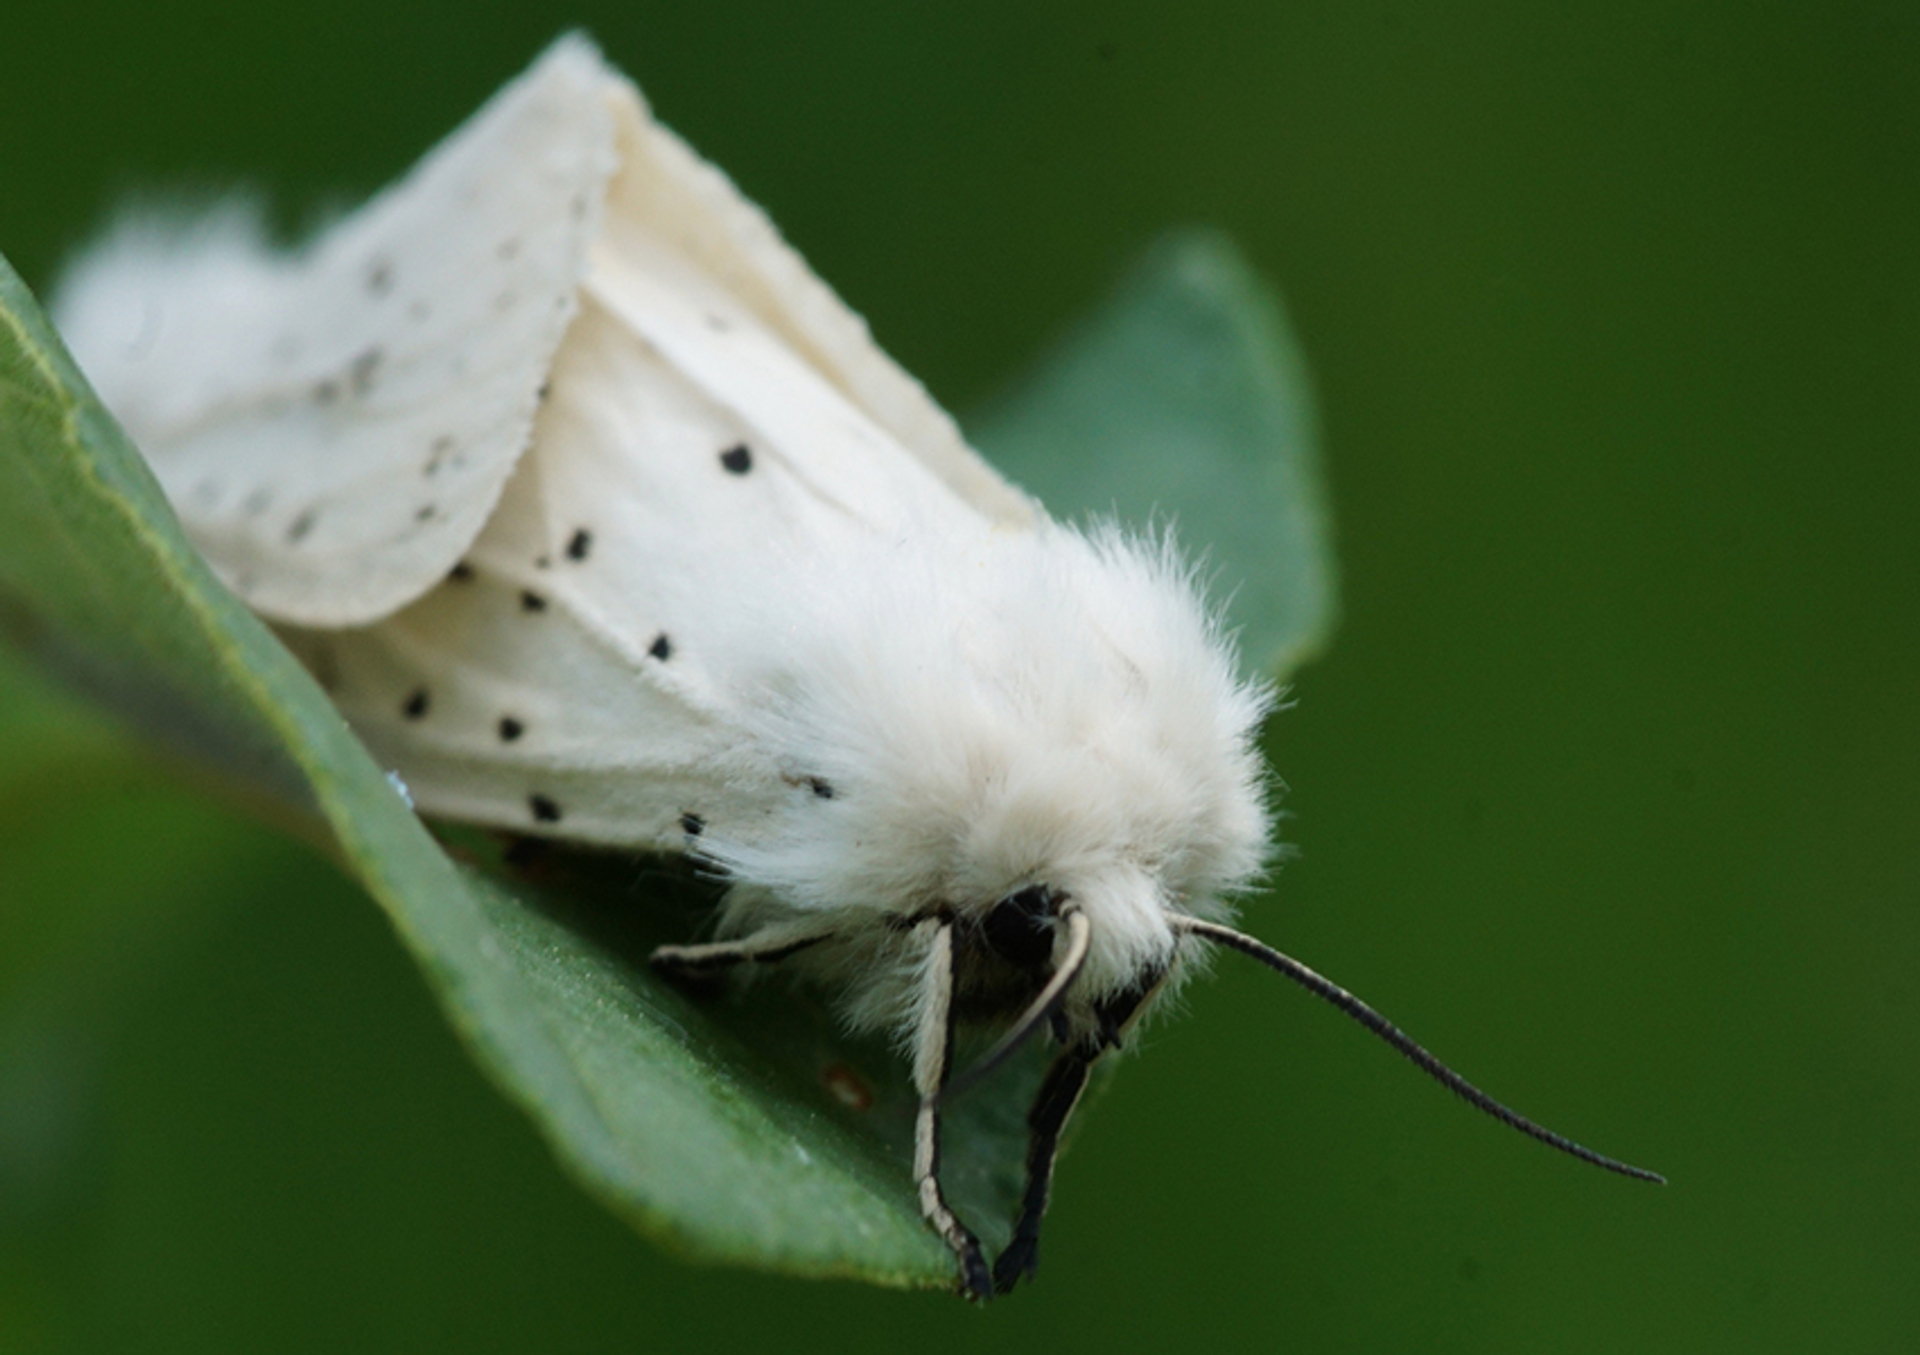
(602, 518)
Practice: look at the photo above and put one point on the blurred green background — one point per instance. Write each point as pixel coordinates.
(1607, 789)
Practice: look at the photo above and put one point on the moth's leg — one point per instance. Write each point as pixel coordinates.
(1059, 1094)
(1052, 1107)
(769, 945)
(932, 1060)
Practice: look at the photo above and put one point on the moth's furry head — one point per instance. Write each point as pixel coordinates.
(979, 714)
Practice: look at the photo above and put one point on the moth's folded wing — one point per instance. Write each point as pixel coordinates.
(667, 197)
(335, 426)
(694, 501)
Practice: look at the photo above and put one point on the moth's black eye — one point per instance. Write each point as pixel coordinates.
(1020, 928)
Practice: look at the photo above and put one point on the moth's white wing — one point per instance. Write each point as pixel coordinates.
(584, 672)
(334, 428)
(687, 208)
(341, 429)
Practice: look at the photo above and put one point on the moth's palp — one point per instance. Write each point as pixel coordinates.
(1040, 1012)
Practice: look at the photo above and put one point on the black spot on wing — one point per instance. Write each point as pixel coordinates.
(298, 529)
(737, 459)
(426, 512)
(820, 787)
(364, 367)
(460, 573)
(544, 809)
(378, 279)
(661, 648)
(438, 453)
(415, 706)
(692, 824)
(510, 729)
(580, 544)
(531, 601)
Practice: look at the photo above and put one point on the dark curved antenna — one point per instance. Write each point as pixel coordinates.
(1042, 1008)
(1329, 991)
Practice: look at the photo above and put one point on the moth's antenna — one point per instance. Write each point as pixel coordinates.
(1329, 991)
(1079, 940)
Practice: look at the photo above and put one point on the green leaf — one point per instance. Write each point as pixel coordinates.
(1186, 399)
(678, 1116)
(746, 1129)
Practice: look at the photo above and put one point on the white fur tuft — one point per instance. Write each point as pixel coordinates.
(993, 711)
